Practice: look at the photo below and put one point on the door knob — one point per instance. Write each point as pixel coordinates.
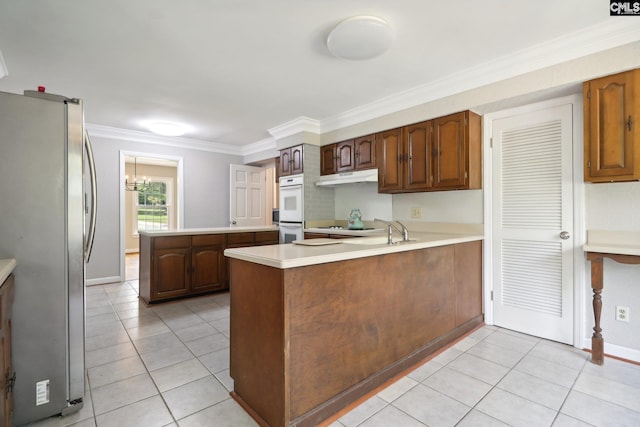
(564, 235)
(233, 222)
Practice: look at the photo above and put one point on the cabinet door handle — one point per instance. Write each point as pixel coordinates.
(629, 123)
(399, 158)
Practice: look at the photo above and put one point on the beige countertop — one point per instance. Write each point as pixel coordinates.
(214, 230)
(292, 255)
(345, 231)
(613, 242)
(6, 268)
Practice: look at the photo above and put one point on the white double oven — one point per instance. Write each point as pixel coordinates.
(291, 208)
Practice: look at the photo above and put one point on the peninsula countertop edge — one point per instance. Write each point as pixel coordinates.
(290, 255)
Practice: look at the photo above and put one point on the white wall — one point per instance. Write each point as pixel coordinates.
(441, 206)
(365, 197)
(615, 206)
(206, 196)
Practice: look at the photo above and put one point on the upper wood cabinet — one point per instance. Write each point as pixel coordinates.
(328, 159)
(404, 163)
(365, 152)
(611, 135)
(457, 149)
(416, 160)
(390, 149)
(291, 161)
(438, 154)
(350, 155)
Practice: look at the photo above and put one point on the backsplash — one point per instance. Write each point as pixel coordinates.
(442, 206)
(464, 206)
(365, 197)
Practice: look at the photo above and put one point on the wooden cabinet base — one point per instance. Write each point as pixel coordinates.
(307, 342)
(183, 266)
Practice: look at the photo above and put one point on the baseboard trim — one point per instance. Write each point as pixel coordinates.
(615, 350)
(318, 415)
(102, 280)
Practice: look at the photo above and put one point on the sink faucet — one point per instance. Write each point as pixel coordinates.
(403, 231)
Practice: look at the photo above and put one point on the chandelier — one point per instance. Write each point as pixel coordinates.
(135, 185)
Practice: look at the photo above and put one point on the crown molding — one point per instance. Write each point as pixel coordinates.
(610, 34)
(100, 131)
(3, 67)
(259, 146)
(295, 126)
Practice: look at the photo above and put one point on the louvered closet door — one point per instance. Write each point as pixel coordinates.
(532, 206)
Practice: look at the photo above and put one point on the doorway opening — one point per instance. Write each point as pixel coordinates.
(155, 205)
(533, 273)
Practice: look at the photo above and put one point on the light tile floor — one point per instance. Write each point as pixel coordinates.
(168, 365)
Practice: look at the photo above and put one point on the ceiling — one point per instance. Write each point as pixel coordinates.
(234, 69)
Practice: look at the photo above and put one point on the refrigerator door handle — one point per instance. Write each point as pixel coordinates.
(88, 245)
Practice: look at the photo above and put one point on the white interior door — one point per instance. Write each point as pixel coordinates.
(248, 196)
(532, 221)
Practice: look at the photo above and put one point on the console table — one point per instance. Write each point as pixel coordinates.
(622, 247)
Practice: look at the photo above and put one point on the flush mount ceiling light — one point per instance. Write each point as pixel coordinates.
(166, 128)
(360, 37)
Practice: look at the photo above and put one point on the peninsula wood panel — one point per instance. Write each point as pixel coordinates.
(468, 276)
(343, 328)
(258, 330)
(373, 311)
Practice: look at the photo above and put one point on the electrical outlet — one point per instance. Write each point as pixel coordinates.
(622, 313)
(416, 212)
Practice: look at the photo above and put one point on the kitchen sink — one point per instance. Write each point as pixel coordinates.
(375, 240)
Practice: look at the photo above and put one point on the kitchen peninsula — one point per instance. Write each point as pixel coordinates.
(187, 262)
(315, 328)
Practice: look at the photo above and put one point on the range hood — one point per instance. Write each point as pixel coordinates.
(369, 175)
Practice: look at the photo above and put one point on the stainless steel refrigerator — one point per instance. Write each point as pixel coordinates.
(47, 223)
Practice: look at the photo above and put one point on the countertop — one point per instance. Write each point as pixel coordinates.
(6, 268)
(291, 255)
(613, 242)
(214, 230)
(345, 231)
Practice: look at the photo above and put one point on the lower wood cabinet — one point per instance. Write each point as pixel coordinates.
(243, 240)
(182, 266)
(207, 263)
(7, 375)
(179, 266)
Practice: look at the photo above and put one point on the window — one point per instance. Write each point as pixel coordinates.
(153, 207)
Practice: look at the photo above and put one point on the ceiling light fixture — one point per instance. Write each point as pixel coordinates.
(360, 37)
(166, 128)
(135, 185)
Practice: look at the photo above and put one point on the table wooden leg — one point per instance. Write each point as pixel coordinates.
(597, 342)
